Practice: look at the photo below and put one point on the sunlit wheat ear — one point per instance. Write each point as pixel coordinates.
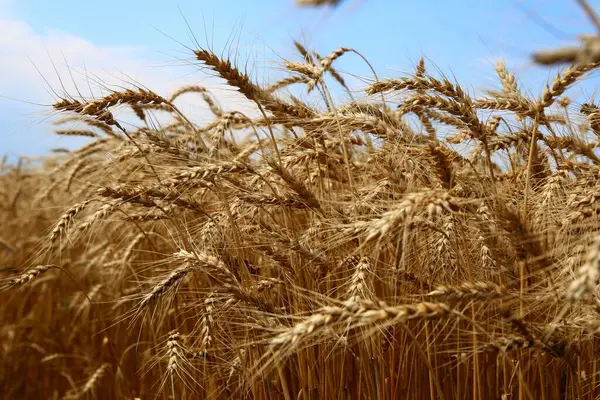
(337, 76)
(104, 211)
(562, 82)
(359, 283)
(178, 367)
(359, 314)
(206, 324)
(78, 107)
(590, 110)
(30, 274)
(170, 282)
(508, 80)
(310, 71)
(213, 264)
(308, 57)
(202, 175)
(314, 73)
(468, 291)
(422, 114)
(129, 96)
(174, 352)
(231, 74)
(586, 278)
(242, 81)
(434, 203)
(66, 220)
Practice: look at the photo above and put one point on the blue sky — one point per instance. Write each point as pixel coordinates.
(140, 39)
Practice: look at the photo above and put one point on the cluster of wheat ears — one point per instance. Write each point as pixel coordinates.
(412, 242)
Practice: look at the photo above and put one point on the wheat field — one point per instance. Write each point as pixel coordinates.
(413, 241)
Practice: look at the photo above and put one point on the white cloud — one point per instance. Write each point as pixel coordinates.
(34, 65)
(26, 57)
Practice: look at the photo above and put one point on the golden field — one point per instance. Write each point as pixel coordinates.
(405, 239)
